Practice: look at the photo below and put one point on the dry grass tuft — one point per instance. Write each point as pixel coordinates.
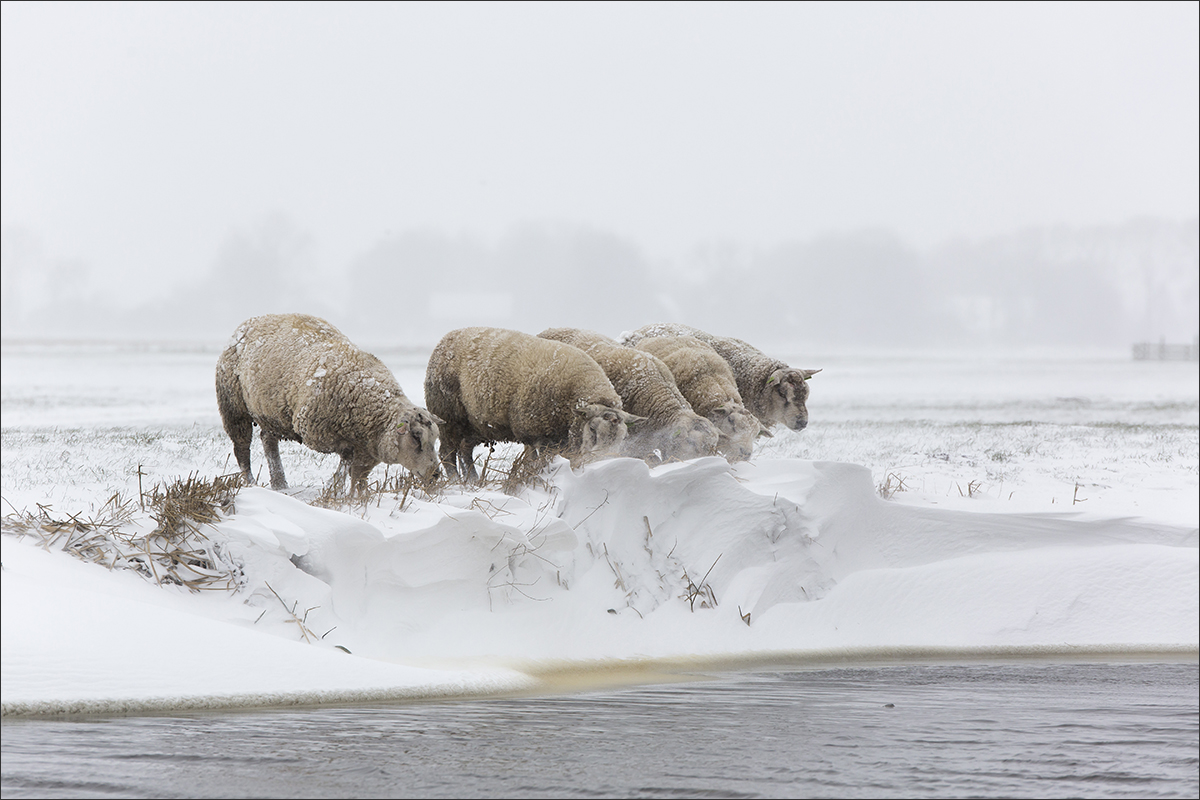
(702, 591)
(973, 488)
(175, 552)
(85, 538)
(184, 505)
(895, 482)
(529, 470)
(511, 475)
(403, 487)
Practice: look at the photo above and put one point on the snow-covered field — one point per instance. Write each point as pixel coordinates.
(938, 507)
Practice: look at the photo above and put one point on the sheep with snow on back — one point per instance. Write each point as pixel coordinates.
(773, 391)
(706, 381)
(647, 389)
(299, 378)
(499, 385)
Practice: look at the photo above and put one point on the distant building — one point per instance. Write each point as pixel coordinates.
(1149, 351)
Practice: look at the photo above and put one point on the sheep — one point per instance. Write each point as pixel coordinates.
(500, 385)
(299, 378)
(647, 389)
(707, 382)
(773, 391)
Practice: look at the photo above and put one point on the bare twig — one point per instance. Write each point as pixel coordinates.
(304, 631)
(702, 591)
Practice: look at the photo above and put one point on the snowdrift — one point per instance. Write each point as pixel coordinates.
(681, 566)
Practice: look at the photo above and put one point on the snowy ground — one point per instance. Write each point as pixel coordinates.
(939, 506)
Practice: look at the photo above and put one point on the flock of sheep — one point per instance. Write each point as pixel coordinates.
(664, 392)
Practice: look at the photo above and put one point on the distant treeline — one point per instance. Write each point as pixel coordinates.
(1097, 286)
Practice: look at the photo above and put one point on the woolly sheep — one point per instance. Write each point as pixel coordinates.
(299, 378)
(707, 382)
(647, 389)
(773, 391)
(499, 385)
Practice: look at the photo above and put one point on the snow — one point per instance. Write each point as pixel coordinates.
(1048, 509)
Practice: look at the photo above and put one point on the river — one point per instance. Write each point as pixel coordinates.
(1026, 729)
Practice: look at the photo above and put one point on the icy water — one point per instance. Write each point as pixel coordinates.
(1015, 730)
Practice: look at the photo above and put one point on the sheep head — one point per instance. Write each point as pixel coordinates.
(410, 442)
(784, 396)
(692, 436)
(738, 429)
(602, 429)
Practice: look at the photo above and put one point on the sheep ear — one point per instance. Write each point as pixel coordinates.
(762, 431)
(808, 373)
(632, 419)
(402, 427)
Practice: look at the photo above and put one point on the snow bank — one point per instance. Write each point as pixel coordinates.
(693, 563)
(78, 639)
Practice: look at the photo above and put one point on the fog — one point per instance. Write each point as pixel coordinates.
(820, 175)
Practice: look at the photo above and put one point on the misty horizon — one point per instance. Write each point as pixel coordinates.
(1104, 286)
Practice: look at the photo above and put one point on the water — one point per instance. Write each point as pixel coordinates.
(1015, 730)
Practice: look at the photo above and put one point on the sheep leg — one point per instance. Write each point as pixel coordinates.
(270, 444)
(359, 470)
(455, 451)
(448, 452)
(240, 429)
(466, 452)
(242, 433)
(337, 483)
(235, 417)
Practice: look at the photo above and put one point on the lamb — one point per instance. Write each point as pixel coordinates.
(647, 389)
(299, 378)
(775, 392)
(707, 382)
(499, 385)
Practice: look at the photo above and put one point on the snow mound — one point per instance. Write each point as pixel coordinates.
(699, 562)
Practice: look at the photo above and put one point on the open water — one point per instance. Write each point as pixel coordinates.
(1012, 730)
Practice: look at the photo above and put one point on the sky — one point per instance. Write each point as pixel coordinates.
(137, 137)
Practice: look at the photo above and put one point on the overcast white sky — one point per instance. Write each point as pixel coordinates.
(137, 137)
